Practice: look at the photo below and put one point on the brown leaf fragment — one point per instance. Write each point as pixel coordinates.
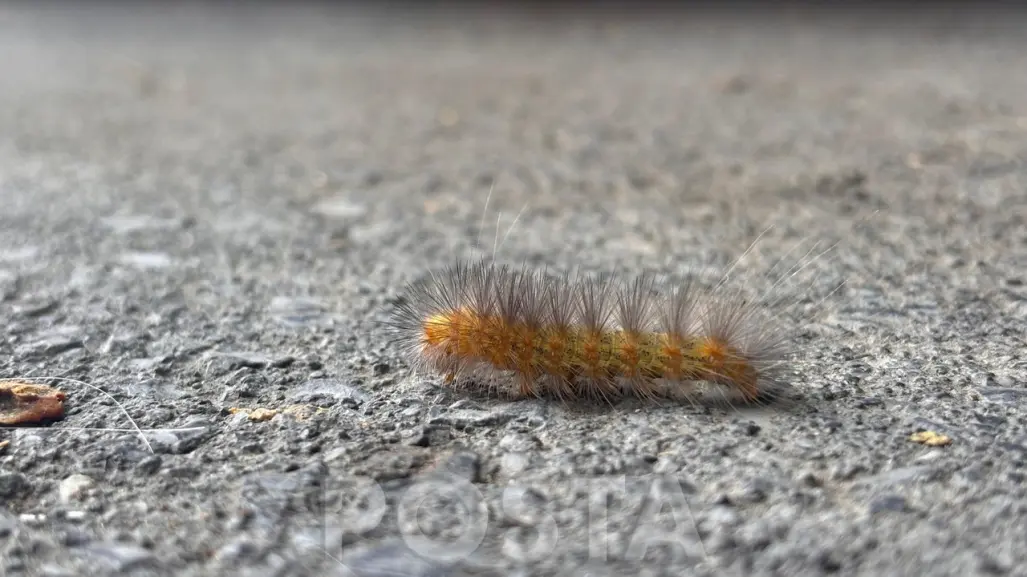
(24, 403)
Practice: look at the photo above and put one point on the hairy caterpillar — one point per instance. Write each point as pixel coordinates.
(589, 337)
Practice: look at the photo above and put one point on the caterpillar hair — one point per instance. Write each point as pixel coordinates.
(523, 333)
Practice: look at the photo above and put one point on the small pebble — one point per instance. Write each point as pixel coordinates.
(888, 503)
(146, 260)
(73, 487)
(13, 485)
(75, 516)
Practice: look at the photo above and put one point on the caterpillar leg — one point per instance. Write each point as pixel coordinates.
(526, 386)
(749, 391)
(646, 389)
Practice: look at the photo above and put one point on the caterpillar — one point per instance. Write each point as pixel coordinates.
(570, 337)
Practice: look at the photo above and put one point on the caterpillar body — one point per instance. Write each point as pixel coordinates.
(588, 337)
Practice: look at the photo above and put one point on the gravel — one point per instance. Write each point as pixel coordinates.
(207, 214)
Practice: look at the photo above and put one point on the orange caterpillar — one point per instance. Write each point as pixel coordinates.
(587, 337)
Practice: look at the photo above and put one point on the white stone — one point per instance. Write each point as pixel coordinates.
(73, 487)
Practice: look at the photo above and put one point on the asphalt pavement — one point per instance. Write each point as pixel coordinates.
(206, 214)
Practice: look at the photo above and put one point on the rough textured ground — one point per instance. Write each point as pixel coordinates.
(205, 211)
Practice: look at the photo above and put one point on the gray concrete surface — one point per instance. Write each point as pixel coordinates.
(206, 210)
